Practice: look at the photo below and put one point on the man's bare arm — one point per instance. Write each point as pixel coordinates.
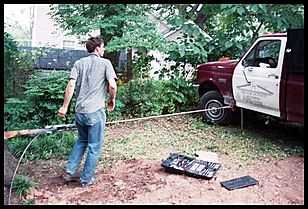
(112, 93)
(69, 91)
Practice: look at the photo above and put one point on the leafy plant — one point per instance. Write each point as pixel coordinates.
(119, 109)
(142, 64)
(217, 20)
(185, 52)
(44, 147)
(17, 68)
(23, 185)
(178, 95)
(142, 98)
(44, 94)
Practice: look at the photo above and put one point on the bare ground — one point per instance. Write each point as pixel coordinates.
(144, 181)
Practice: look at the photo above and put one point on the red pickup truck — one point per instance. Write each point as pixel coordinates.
(269, 78)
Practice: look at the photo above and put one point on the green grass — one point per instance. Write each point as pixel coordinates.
(187, 134)
(182, 134)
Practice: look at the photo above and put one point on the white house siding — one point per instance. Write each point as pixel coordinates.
(161, 63)
(164, 29)
(45, 33)
(161, 26)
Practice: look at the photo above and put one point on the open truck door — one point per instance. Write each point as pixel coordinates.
(256, 78)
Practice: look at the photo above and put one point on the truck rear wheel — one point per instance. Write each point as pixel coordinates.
(213, 100)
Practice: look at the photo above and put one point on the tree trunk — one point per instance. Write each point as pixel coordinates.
(10, 163)
(129, 65)
(201, 16)
(114, 58)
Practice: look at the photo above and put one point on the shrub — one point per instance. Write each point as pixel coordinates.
(45, 93)
(44, 96)
(23, 185)
(44, 147)
(143, 98)
(146, 97)
(178, 95)
(17, 68)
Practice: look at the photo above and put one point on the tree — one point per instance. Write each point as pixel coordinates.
(17, 30)
(122, 26)
(234, 26)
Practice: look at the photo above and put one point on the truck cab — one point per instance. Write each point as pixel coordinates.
(269, 78)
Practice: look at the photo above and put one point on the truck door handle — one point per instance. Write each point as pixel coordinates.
(273, 74)
(249, 69)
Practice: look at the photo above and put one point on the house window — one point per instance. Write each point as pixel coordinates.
(68, 44)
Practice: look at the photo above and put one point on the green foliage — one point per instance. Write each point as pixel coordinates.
(17, 30)
(179, 95)
(44, 147)
(117, 113)
(188, 50)
(229, 39)
(143, 98)
(142, 64)
(146, 97)
(138, 32)
(44, 96)
(45, 93)
(16, 68)
(80, 19)
(23, 185)
(122, 26)
(17, 147)
(252, 20)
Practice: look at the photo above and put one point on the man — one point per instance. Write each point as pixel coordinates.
(92, 75)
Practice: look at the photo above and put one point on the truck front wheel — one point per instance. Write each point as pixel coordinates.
(212, 101)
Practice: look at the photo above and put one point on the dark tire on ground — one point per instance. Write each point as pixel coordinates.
(213, 99)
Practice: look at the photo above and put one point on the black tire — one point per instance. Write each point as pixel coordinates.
(213, 99)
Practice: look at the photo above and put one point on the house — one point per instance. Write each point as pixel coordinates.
(62, 50)
(45, 33)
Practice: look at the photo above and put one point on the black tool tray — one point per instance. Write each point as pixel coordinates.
(181, 164)
(176, 163)
(202, 169)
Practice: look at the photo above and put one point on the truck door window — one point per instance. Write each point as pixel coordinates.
(264, 54)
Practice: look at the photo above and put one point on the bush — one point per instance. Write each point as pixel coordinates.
(117, 113)
(143, 98)
(146, 97)
(44, 96)
(17, 68)
(179, 95)
(44, 147)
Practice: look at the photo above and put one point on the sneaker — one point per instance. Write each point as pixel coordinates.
(71, 177)
(87, 184)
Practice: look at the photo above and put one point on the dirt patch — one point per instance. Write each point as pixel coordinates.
(144, 181)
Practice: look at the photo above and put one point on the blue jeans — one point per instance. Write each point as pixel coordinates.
(91, 127)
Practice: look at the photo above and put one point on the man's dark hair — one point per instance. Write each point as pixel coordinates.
(93, 42)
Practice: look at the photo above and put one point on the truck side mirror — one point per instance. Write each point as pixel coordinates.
(244, 63)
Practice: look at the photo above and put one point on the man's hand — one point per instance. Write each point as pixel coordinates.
(62, 112)
(110, 104)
